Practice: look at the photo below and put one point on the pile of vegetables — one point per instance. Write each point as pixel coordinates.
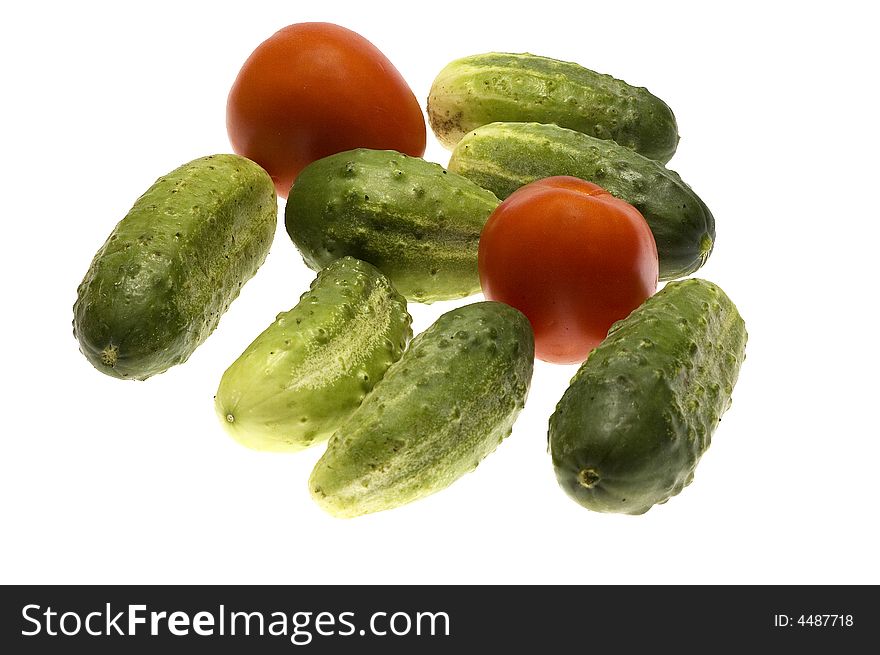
(547, 156)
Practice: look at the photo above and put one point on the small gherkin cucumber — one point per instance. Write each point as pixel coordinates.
(502, 157)
(416, 222)
(640, 412)
(309, 370)
(492, 87)
(157, 287)
(449, 401)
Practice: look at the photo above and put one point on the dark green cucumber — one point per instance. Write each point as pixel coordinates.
(493, 87)
(502, 157)
(417, 223)
(449, 401)
(158, 286)
(640, 412)
(309, 370)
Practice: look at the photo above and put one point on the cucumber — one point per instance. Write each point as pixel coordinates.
(502, 157)
(309, 370)
(493, 87)
(158, 286)
(449, 401)
(640, 412)
(417, 223)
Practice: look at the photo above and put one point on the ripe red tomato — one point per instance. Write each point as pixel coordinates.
(315, 89)
(571, 257)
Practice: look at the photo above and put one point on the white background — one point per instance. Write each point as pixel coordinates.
(110, 481)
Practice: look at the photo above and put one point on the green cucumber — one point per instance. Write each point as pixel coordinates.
(157, 287)
(640, 412)
(309, 370)
(493, 87)
(502, 157)
(417, 223)
(449, 401)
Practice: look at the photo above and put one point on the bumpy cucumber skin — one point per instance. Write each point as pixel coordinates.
(502, 157)
(417, 223)
(449, 401)
(493, 87)
(640, 412)
(157, 287)
(309, 370)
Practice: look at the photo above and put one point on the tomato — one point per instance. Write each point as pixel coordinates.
(315, 89)
(571, 257)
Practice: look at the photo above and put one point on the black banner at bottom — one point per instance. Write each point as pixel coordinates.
(443, 619)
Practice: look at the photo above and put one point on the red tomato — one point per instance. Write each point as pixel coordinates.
(572, 258)
(315, 89)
